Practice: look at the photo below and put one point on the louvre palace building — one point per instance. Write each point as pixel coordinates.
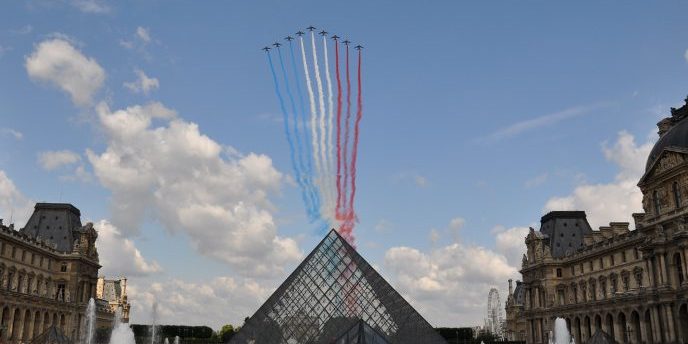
(48, 273)
(630, 283)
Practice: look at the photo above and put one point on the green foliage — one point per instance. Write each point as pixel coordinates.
(226, 333)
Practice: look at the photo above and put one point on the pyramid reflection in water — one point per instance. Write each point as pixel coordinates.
(331, 292)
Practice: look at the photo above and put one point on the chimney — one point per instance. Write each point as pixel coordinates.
(511, 290)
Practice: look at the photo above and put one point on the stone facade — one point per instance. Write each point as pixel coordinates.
(48, 273)
(515, 324)
(631, 284)
(115, 293)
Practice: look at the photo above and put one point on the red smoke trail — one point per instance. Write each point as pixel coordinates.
(346, 211)
(339, 133)
(348, 226)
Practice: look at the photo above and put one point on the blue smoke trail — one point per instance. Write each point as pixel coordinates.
(315, 197)
(301, 179)
(286, 125)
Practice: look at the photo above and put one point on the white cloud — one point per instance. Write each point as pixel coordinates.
(538, 122)
(13, 133)
(119, 255)
(214, 302)
(511, 243)
(56, 61)
(537, 180)
(52, 160)
(143, 83)
(449, 284)
(143, 34)
(4, 49)
(685, 55)
(91, 6)
(24, 30)
(616, 200)
(179, 176)
(412, 177)
(13, 204)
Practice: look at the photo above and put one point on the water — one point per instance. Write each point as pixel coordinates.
(561, 332)
(121, 333)
(153, 329)
(90, 325)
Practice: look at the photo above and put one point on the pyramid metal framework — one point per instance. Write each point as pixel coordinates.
(331, 291)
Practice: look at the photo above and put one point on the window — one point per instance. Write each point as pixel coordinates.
(63, 268)
(611, 258)
(23, 259)
(575, 294)
(581, 269)
(677, 194)
(655, 200)
(573, 271)
(613, 285)
(603, 288)
(591, 267)
(625, 281)
(14, 252)
(623, 256)
(601, 264)
(636, 253)
(559, 274)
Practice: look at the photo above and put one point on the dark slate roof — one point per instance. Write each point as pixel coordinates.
(519, 293)
(677, 136)
(601, 337)
(565, 230)
(55, 223)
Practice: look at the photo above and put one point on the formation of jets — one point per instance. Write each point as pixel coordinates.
(311, 29)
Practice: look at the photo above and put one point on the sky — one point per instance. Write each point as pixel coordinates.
(158, 120)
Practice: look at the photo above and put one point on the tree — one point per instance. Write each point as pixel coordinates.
(226, 333)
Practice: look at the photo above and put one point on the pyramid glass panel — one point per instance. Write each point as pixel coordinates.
(332, 292)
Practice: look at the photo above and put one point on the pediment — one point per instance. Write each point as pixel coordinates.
(668, 159)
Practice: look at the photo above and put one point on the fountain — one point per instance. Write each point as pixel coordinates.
(167, 341)
(176, 339)
(90, 322)
(121, 332)
(154, 319)
(561, 332)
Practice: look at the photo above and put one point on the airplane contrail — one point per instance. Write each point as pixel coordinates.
(321, 102)
(345, 150)
(338, 209)
(330, 117)
(314, 114)
(305, 156)
(295, 151)
(286, 119)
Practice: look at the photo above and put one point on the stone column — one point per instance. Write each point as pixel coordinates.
(643, 331)
(618, 331)
(671, 333)
(31, 323)
(22, 323)
(654, 313)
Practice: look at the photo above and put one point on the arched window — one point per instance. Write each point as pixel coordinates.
(677, 194)
(655, 200)
(679, 268)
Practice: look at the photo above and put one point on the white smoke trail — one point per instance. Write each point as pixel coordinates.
(326, 187)
(314, 114)
(330, 124)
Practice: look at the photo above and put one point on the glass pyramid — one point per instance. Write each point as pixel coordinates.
(330, 292)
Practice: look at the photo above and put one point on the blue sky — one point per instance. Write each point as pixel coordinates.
(479, 118)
